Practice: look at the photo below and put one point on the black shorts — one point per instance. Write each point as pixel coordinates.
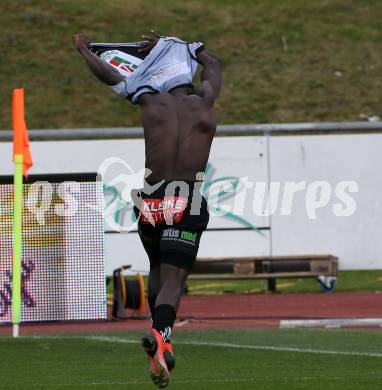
(171, 221)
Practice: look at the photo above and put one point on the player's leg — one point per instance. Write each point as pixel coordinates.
(150, 237)
(157, 343)
(179, 244)
(153, 287)
(178, 255)
(153, 342)
(151, 244)
(173, 279)
(179, 247)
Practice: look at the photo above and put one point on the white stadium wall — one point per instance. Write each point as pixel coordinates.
(357, 158)
(319, 163)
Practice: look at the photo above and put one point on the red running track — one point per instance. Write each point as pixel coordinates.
(234, 311)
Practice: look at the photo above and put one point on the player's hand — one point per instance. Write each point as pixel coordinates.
(149, 41)
(81, 41)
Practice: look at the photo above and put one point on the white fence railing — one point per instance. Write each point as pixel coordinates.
(222, 130)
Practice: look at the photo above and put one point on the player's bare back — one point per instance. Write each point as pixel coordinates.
(178, 131)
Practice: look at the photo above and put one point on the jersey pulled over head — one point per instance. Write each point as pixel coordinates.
(170, 64)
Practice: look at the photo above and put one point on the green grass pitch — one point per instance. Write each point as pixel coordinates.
(218, 359)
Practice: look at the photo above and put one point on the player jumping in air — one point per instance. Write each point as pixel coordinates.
(179, 125)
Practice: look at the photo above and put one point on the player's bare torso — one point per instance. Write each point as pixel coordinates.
(178, 130)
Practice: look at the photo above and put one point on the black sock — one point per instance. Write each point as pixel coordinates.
(164, 319)
(151, 300)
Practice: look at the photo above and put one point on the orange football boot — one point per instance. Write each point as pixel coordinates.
(153, 345)
(168, 355)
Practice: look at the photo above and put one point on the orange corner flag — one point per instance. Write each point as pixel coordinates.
(20, 132)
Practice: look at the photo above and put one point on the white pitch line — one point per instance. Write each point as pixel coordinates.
(120, 340)
(280, 349)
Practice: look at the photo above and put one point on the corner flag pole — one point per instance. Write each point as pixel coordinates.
(17, 243)
(21, 165)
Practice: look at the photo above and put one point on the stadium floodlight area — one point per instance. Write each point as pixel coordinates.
(63, 262)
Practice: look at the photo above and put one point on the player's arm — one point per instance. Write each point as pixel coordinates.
(101, 69)
(210, 78)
